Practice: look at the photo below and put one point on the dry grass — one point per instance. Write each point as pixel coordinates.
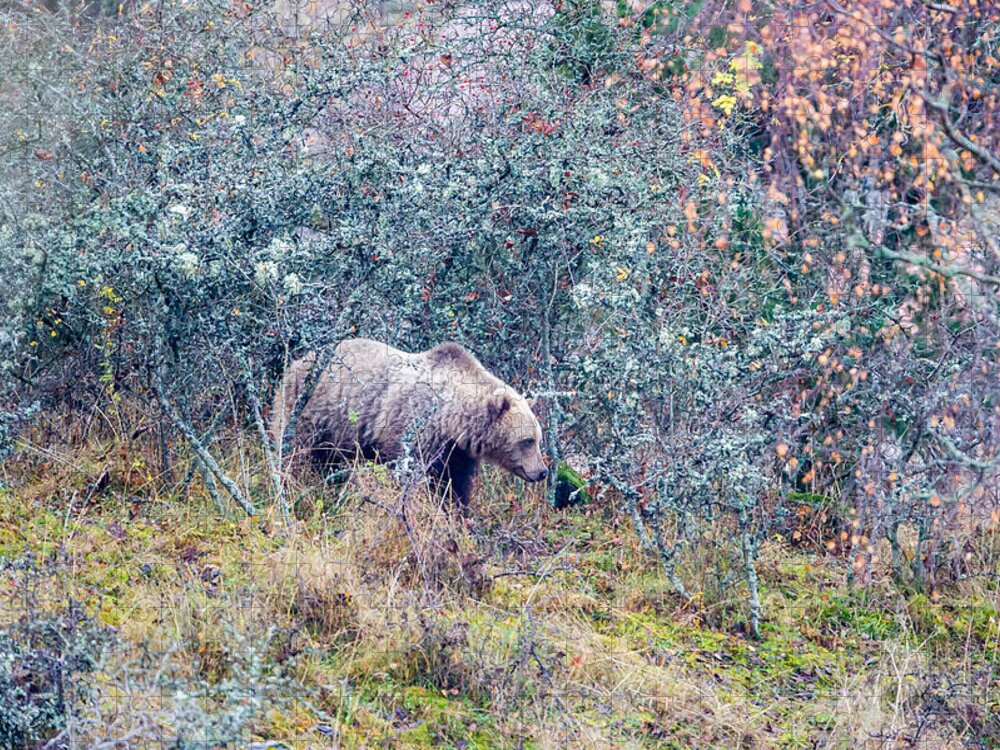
(404, 624)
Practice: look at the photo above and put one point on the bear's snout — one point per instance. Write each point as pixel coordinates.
(538, 476)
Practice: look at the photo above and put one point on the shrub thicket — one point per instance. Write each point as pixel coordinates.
(198, 192)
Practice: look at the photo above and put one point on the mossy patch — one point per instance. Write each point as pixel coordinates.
(570, 487)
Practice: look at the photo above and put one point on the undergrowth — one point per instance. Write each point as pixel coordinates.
(376, 621)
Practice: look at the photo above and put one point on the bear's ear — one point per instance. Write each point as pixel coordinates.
(496, 407)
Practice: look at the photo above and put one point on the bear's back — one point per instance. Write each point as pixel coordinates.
(450, 355)
(370, 355)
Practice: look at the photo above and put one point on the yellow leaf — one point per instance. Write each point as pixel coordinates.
(726, 102)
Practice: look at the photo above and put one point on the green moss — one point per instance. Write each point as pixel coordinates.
(948, 626)
(418, 716)
(570, 487)
(855, 615)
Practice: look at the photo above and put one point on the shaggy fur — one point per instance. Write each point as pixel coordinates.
(374, 401)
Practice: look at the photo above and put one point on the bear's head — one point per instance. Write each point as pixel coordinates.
(514, 437)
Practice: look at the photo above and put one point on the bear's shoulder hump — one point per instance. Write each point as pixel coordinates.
(450, 354)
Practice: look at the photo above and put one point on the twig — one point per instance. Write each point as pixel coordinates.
(272, 465)
(883, 252)
(200, 450)
(949, 127)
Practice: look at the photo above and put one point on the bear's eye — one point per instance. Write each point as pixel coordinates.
(529, 443)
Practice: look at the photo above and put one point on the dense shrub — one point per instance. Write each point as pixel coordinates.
(200, 192)
(43, 659)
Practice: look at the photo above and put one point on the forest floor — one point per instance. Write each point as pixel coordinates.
(518, 627)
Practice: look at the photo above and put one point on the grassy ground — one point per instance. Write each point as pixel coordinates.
(521, 627)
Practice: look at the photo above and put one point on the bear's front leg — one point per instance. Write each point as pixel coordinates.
(460, 476)
(456, 471)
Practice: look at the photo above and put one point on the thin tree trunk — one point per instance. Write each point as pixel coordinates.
(555, 411)
(166, 466)
(750, 570)
(211, 486)
(200, 450)
(272, 464)
(897, 552)
(917, 566)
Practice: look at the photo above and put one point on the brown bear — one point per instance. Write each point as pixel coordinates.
(441, 406)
